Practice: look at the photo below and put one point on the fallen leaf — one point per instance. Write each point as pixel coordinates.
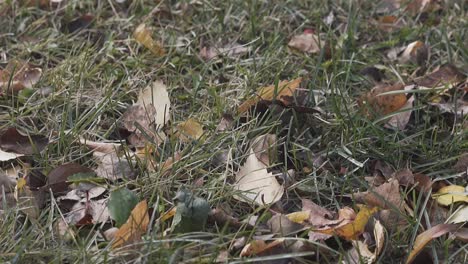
(264, 147)
(189, 130)
(226, 123)
(256, 183)
(282, 92)
(102, 147)
(78, 23)
(221, 218)
(352, 230)
(462, 163)
(282, 225)
(260, 247)
(134, 228)
(192, 212)
(156, 95)
(12, 140)
(57, 179)
(461, 234)
(373, 104)
(451, 194)
(307, 42)
(400, 119)
(389, 23)
(385, 196)
(113, 167)
(17, 76)
(444, 75)
(415, 7)
(425, 237)
(459, 108)
(143, 36)
(109, 234)
(416, 52)
(5, 156)
(121, 203)
(319, 216)
(459, 216)
(230, 50)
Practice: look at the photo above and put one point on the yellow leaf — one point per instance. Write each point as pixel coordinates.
(189, 129)
(285, 89)
(135, 226)
(451, 194)
(352, 230)
(21, 183)
(299, 217)
(169, 214)
(258, 247)
(143, 35)
(426, 236)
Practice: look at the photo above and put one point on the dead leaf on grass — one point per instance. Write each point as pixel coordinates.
(261, 248)
(444, 75)
(264, 147)
(256, 183)
(17, 76)
(58, 177)
(385, 196)
(189, 130)
(416, 52)
(389, 23)
(427, 236)
(374, 105)
(232, 50)
(306, 42)
(360, 252)
(451, 194)
(142, 34)
(459, 108)
(134, 228)
(282, 92)
(459, 216)
(156, 95)
(13, 141)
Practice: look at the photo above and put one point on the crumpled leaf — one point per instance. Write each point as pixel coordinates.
(232, 50)
(389, 23)
(13, 141)
(444, 75)
(283, 93)
(306, 42)
(256, 183)
(58, 177)
(283, 225)
(460, 107)
(136, 225)
(360, 252)
(352, 230)
(189, 130)
(415, 7)
(374, 105)
(17, 76)
(114, 167)
(142, 34)
(451, 194)
(425, 237)
(416, 52)
(88, 213)
(319, 216)
(191, 213)
(121, 203)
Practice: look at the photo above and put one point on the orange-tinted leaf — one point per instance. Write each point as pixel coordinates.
(135, 226)
(374, 105)
(259, 247)
(426, 236)
(353, 230)
(283, 93)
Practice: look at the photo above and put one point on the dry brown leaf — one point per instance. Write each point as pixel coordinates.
(445, 75)
(389, 23)
(189, 130)
(400, 120)
(319, 216)
(283, 225)
(415, 7)
(385, 196)
(143, 35)
(102, 147)
(113, 167)
(360, 253)
(462, 163)
(134, 228)
(425, 237)
(374, 105)
(459, 216)
(460, 107)
(307, 42)
(352, 230)
(416, 52)
(13, 141)
(58, 177)
(256, 183)
(17, 76)
(269, 93)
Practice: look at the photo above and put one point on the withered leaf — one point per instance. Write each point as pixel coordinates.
(58, 177)
(12, 140)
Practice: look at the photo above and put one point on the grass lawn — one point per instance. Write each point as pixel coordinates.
(333, 138)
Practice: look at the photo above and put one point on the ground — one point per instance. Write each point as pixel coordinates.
(93, 69)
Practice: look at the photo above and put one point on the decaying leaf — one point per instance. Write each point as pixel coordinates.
(282, 92)
(307, 42)
(374, 105)
(385, 196)
(113, 167)
(360, 252)
(283, 225)
(400, 119)
(260, 247)
(143, 35)
(192, 212)
(319, 216)
(445, 75)
(134, 228)
(156, 95)
(5, 156)
(13, 141)
(102, 147)
(231, 50)
(451, 194)
(415, 52)
(459, 108)
(189, 130)
(58, 177)
(88, 212)
(256, 183)
(425, 237)
(17, 76)
(389, 23)
(352, 230)
(78, 23)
